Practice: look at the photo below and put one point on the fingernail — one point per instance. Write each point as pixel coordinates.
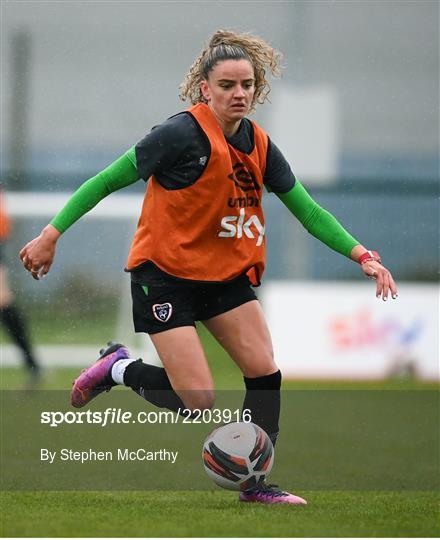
(385, 298)
(394, 296)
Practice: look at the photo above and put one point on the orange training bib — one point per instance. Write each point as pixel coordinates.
(213, 230)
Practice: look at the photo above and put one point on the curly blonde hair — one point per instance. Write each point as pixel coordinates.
(228, 45)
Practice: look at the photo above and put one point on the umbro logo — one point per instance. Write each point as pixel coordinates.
(243, 179)
(203, 160)
(163, 312)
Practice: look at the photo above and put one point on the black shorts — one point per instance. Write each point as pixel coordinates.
(163, 307)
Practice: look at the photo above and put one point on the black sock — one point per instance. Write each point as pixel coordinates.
(14, 322)
(263, 400)
(152, 383)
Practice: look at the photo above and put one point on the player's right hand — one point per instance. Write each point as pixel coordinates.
(38, 254)
(384, 280)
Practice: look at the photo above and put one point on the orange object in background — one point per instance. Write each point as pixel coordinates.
(5, 223)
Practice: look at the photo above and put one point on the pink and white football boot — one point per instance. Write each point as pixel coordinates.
(268, 494)
(97, 378)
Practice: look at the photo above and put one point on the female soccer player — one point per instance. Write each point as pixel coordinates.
(200, 242)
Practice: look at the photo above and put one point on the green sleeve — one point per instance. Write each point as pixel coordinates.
(318, 222)
(121, 173)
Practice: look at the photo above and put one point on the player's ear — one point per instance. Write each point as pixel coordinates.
(204, 88)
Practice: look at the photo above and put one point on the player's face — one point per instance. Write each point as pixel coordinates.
(229, 90)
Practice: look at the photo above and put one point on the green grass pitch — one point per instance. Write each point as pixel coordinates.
(217, 513)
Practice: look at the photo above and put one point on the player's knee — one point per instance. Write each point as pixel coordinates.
(260, 363)
(200, 400)
(261, 352)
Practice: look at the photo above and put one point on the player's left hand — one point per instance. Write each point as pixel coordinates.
(384, 280)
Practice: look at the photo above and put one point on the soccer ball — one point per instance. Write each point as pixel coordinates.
(238, 455)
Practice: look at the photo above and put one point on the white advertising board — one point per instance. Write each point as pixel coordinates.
(342, 331)
(305, 123)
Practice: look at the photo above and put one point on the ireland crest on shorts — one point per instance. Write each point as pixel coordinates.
(163, 312)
